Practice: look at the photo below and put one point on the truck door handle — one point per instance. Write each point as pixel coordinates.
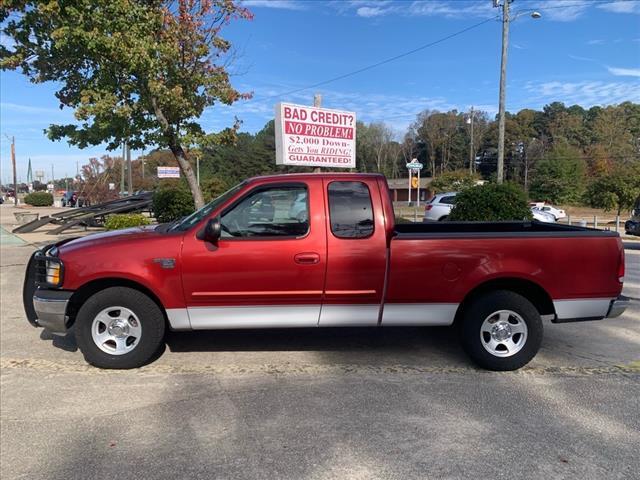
(308, 258)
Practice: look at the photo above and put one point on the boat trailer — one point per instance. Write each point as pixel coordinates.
(91, 216)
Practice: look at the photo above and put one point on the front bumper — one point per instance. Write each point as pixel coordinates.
(51, 309)
(618, 306)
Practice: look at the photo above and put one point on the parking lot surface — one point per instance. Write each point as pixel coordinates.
(320, 404)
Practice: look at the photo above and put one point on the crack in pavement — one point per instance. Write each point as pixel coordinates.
(631, 370)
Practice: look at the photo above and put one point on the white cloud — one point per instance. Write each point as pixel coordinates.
(587, 93)
(450, 9)
(596, 41)
(562, 10)
(622, 6)
(15, 107)
(624, 72)
(582, 59)
(278, 4)
(368, 12)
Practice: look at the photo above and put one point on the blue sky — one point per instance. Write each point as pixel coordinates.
(580, 51)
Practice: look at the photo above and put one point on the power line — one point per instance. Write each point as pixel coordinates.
(382, 62)
(420, 48)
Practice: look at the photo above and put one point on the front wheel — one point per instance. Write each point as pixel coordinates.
(119, 327)
(501, 331)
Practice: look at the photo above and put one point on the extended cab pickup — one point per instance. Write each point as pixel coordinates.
(322, 250)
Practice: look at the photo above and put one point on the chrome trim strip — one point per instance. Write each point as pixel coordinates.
(264, 316)
(178, 318)
(351, 292)
(256, 293)
(582, 308)
(433, 314)
(349, 315)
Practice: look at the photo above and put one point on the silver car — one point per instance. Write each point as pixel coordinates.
(439, 207)
(542, 216)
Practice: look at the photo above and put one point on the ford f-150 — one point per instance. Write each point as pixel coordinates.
(322, 250)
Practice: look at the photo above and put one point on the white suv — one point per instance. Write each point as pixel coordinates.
(439, 207)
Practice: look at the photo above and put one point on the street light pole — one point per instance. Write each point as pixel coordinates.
(471, 145)
(503, 87)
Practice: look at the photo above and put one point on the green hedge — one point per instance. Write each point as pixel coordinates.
(172, 203)
(490, 203)
(125, 220)
(39, 199)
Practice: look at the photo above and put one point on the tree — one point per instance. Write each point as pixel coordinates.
(134, 70)
(617, 190)
(456, 180)
(559, 176)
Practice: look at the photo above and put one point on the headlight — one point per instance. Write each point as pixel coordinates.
(54, 272)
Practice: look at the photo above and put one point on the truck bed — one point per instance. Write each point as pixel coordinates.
(406, 231)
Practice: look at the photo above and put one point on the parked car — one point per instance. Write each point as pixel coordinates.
(556, 212)
(542, 216)
(226, 267)
(632, 226)
(439, 207)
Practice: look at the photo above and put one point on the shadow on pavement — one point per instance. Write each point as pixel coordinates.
(319, 339)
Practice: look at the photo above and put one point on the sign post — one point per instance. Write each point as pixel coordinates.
(414, 167)
(315, 137)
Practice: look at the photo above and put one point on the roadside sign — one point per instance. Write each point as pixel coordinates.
(415, 165)
(315, 137)
(168, 172)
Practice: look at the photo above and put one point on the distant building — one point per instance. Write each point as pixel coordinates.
(400, 189)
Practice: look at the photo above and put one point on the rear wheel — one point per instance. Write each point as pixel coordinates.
(119, 327)
(443, 219)
(501, 330)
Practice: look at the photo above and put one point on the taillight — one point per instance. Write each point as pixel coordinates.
(621, 265)
(428, 207)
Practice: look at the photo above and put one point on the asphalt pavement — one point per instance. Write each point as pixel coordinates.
(320, 404)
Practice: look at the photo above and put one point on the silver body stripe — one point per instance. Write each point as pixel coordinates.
(433, 314)
(349, 315)
(265, 316)
(178, 318)
(394, 314)
(582, 308)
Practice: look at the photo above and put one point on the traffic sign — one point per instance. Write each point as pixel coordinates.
(415, 166)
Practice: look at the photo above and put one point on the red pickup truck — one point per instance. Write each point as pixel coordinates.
(322, 250)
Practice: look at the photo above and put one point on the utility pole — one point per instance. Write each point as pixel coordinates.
(15, 175)
(317, 102)
(129, 173)
(503, 86)
(52, 176)
(124, 149)
(471, 145)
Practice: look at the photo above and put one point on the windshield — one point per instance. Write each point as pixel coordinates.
(187, 222)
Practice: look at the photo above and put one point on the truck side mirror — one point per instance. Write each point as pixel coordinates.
(211, 231)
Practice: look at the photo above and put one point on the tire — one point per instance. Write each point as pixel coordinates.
(443, 219)
(493, 344)
(136, 333)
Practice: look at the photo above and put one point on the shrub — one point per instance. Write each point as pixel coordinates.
(39, 199)
(491, 202)
(172, 203)
(455, 181)
(213, 187)
(125, 220)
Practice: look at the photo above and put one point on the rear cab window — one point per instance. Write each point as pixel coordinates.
(350, 210)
